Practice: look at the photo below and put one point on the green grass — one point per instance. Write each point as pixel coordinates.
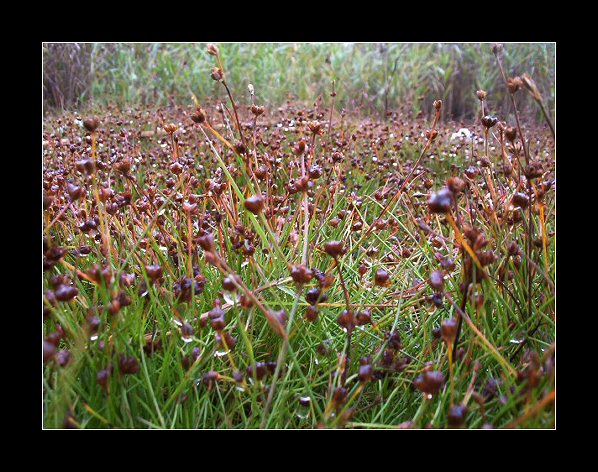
(370, 77)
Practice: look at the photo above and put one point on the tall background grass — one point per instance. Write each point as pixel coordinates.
(371, 77)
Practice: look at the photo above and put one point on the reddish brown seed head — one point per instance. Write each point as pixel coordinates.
(91, 124)
(510, 133)
(301, 274)
(456, 415)
(429, 382)
(441, 201)
(311, 313)
(207, 242)
(335, 248)
(489, 121)
(212, 49)
(198, 116)
(436, 280)
(217, 74)
(382, 278)
(448, 330)
(255, 204)
(455, 184)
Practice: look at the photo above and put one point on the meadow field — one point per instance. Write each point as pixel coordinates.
(275, 235)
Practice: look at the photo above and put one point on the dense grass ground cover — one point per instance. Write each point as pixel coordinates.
(233, 266)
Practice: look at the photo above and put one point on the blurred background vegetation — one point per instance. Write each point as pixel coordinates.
(371, 77)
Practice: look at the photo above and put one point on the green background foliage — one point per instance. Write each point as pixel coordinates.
(370, 77)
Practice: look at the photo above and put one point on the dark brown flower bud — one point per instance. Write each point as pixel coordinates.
(128, 365)
(335, 248)
(217, 74)
(520, 200)
(429, 382)
(210, 377)
(280, 315)
(436, 280)
(513, 248)
(154, 272)
(313, 295)
(207, 242)
(260, 370)
(212, 49)
(301, 274)
(456, 415)
(64, 293)
(365, 373)
(510, 133)
(345, 320)
(299, 147)
(514, 84)
(85, 166)
(489, 121)
(49, 351)
(314, 127)
(363, 317)
(103, 377)
(311, 313)
(91, 124)
(455, 184)
(255, 204)
(228, 284)
(481, 94)
(440, 202)
(198, 116)
(431, 134)
(340, 395)
(257, 110)
(497, 48)
(448, 330)
(437, 104)
(315, 172)
(75, 192)
(240, 148)
(382, 278)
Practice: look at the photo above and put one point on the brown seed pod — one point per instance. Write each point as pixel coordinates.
(311, 313)
(520, 200)
(257, 110)
(255, 204)
(441, 201)
(455, 184)
(217, 74)
(198, 116)
(448, 330)
(207, 242)
(128, 365)
(91, 124)
(382, 278)
(365, 373)
(514, 84)
(456, 415)
(489, 121)
(335, 249)
(301, 274)
(437, 280)
(481, 94)
(429, 382)
(228, 284)
(510, 133)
